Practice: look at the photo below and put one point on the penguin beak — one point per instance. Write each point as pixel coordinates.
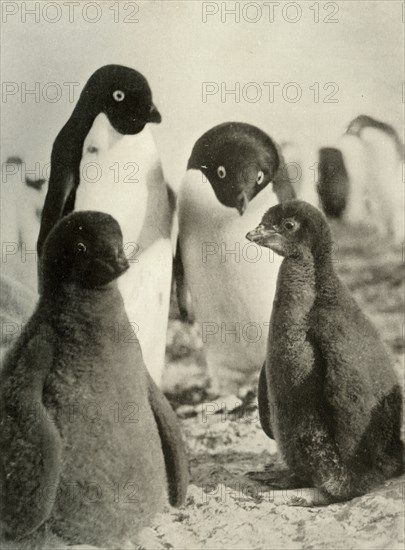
(121, 265)
(112, 267)
(242, 202)
(154, 115)
(263, 236)
(257, 234)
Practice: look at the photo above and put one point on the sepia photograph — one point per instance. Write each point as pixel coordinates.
(202, 290)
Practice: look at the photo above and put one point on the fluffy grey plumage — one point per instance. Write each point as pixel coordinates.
(90, 445)
(336, 399)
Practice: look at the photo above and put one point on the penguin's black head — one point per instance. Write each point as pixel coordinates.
(294, 229)
(84, 249)
(239, 160)
(123, 95)
(357, 124)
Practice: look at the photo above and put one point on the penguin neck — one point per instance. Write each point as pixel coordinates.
(99, 305)
(75, 130)
(304, 281)
(295, 286)
(326, 281)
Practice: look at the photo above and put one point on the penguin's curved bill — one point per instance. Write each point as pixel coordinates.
(266, 237)
(121, 266)
(114, 268)
(154, 115)
(242, 202)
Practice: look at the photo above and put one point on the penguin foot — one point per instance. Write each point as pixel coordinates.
(276, 478)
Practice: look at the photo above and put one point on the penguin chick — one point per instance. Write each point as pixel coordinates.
(89, 445)
(337, 404)
(333, 184)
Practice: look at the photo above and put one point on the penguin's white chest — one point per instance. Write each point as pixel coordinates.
(375, 192)
(20, 223)
(231, 280)
(114, 174)
(122, 176)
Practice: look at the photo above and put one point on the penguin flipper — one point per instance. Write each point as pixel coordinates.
(31, 446)
(172, 444)
(264, 403)
(182, 293)
(59, 194)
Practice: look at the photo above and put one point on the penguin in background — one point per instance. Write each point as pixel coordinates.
(22, 199)
(105, 159)
(89, 445)
(374, 154)
(328, 393)
(231, 180)
(333, 184)
(17, 303)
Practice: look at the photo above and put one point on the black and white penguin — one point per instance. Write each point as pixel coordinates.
(89, 444)
(333, 184)
(105, 159)
(373, 154)
(17, 303)
(22, 200)
(231, 180)
(334, 404)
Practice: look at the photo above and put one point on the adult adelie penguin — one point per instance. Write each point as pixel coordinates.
(105, 159)
(89, 444)
(329, 394)
(373, 154)
(229, 184)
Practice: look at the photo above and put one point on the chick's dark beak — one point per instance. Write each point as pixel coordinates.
(242, 202)
(121, 263)
(257, 234)
(265, 236)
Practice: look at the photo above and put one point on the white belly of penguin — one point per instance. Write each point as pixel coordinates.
(130, 187)
(384, 178)
(231, 280)
(375, 192)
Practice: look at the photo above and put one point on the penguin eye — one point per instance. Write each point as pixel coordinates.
(81, 247)
(118, 95)
(290, 225)
(221, 172)
(260, 177)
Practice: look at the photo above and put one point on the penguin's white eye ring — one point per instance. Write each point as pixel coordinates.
(81, 247)
(119, 95)
(260, 177)
(289, 224)
(221, 172)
